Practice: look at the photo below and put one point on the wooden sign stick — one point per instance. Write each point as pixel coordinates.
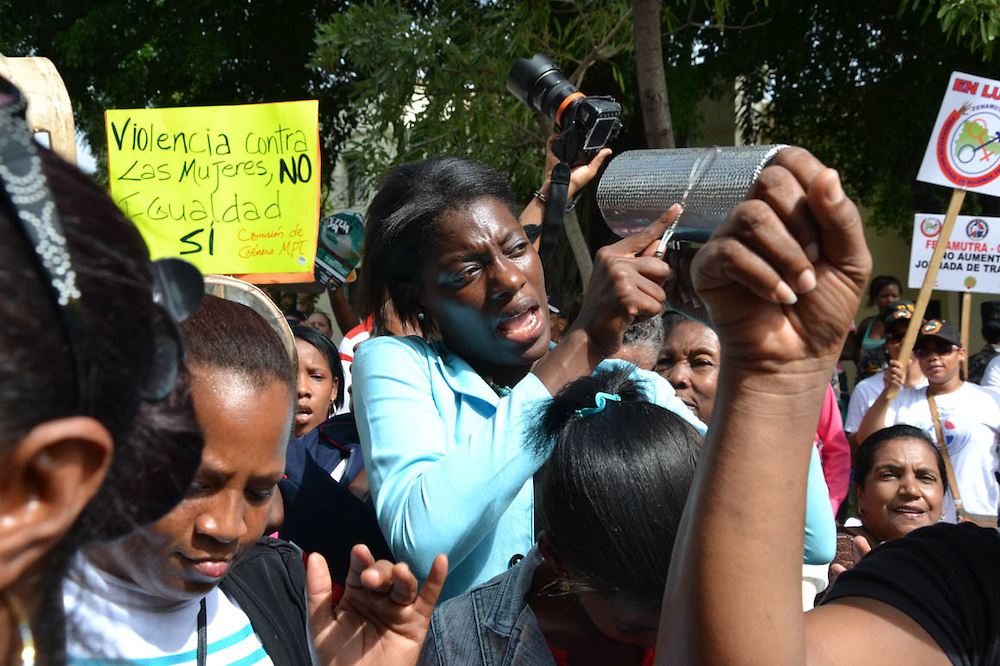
(957, 197)
(966, 312)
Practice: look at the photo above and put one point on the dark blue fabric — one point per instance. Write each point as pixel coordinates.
(321, 514)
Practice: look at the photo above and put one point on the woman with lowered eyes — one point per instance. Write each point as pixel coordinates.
(201, 584)
(441, 416)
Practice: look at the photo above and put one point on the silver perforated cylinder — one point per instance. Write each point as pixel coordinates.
(639, 185)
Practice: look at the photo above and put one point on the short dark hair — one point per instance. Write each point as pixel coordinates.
(880, 282)
(401, 225)
(329, 350)
(865, 455)
(646, 331)
(614, 487)
(230, 336)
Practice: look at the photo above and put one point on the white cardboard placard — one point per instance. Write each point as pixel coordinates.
(972, 260)
(964, 148)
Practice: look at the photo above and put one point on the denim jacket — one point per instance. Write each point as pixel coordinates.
(490, 625)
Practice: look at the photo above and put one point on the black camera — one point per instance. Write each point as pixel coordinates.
(586, 124)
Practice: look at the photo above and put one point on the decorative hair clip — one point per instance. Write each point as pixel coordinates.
(177, 286)
(600, 402)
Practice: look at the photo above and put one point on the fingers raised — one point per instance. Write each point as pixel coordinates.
(319, 589)
(431, 591)
(641, 241)
(841, 232)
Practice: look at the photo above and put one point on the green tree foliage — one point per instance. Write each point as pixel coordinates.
(139, 53)
(432, 82)
(972, 23)
(859, 84)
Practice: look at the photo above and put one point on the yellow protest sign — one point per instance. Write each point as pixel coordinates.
(233, 189)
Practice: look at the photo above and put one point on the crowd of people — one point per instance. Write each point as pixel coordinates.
(473, 478)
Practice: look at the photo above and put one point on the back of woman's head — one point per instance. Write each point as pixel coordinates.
(614, 488)
(864, 458)
(48, 374)
(225, 335)
(38, 377)
(401, 222)
(329, 352)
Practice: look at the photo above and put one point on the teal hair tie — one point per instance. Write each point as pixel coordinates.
(600, 402)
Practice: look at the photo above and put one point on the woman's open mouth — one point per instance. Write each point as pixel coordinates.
(522, 327)
(303, 414)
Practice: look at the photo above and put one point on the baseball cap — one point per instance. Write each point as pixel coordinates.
(897, 310)
(939, 328)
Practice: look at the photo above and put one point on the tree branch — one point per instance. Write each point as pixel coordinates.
(595, 53)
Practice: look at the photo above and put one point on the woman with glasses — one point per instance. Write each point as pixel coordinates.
(949, 409)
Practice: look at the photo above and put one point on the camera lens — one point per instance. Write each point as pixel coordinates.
(540, 85)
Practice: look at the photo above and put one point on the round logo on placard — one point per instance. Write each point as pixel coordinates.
(977, 229)
(970, 282)
(968, 145)
(930, 226)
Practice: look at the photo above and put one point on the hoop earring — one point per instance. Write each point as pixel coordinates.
(23, 627)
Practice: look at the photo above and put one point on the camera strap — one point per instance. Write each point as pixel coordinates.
(555, 210)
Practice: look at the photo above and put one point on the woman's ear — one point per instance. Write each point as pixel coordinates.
(548, 551)
(413, 295)
(46, 481)
(859, 494)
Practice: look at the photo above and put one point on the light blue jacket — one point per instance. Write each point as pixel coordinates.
(446, 461)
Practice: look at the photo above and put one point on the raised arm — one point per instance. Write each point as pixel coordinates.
(780, 279)
(534, 212)
(875, 418)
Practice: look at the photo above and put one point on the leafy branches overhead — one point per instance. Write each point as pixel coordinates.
(433, 82)
(127, 53)
(859, 84)
(976, 23)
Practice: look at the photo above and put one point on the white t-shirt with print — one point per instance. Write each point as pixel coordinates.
(970, 420)
(110, 620)
(865, 393)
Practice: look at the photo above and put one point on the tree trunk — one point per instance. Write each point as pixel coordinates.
(650, 74)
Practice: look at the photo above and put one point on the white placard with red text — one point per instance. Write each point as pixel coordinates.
(964, 148)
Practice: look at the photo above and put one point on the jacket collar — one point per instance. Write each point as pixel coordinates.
(460, 376)
(510, 601)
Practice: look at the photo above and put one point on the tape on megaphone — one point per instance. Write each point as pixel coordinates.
(639, 185)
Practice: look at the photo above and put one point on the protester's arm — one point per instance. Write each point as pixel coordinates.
(343, 311)
(733, 597)
(627, 282)
(875, 417)
(777, 356)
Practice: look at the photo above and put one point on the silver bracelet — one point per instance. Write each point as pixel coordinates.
(545, 200)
